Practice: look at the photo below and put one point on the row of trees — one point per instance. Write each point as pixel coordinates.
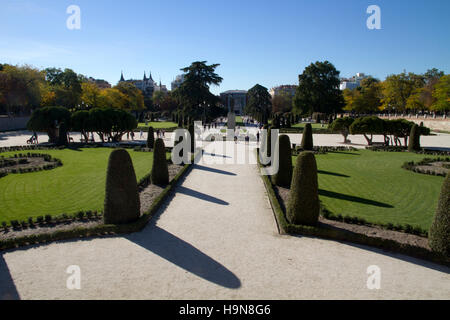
(392, 130)
(401, 93)
(108, 123)
(318, 93)
(24, 88)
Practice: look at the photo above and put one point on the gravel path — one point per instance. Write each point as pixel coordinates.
(216, 239)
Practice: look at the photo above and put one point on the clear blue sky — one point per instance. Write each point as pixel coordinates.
(255, 41)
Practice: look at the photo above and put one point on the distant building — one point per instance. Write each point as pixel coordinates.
(102, 84)
(177, 82)
(146, 85)
(234, 100)
(289, 89)
(353, 82)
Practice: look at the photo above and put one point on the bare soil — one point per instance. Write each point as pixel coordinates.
(373, 231)
(37, 162)
(436, 167)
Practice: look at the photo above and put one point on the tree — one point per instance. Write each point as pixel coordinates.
(307, 138)
(81, 122)
(303, 206)
(66, 85)
(364, 99)
(90, 95)
(259, 103)
(122, 203)
(134, 100)
(283, 177)
(439, 235)
(20, 88)
(397, 89)
(367, 126)
(282, 102)
(318, 90)
(48, 119)
(414, 139)
(160, 171)
(194, 94)
(112, 123)
(442, 94)
(342, 125)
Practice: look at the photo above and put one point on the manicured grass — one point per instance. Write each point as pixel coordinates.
(314, 125)
(78, 185)
(158, 125)
(373, 186)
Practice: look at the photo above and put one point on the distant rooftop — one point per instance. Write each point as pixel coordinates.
(234, 91)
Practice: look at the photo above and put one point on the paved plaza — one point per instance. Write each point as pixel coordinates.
(216, 238)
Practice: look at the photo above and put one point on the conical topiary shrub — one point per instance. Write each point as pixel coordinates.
(122, 204)
(307, 139)
(160, 171)
(439, 237)
(284, 176)
(414, 139)
(303, 205)
(269, 142)
(150, 138)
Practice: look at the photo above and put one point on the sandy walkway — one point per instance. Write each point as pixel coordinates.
(216, 239)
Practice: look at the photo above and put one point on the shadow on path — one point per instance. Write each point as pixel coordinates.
(185, 256)
(346, 197)
(203, 168)
(333, 174)
(200, 195)
(8, 289)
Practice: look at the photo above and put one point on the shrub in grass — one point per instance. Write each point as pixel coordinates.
(303, 205)
(414, 139)
(122, 204)
(48, 218)
(160, 171)
(439, 235)
(150, 138)
(284, 175)
(15, 224)
(307, 139)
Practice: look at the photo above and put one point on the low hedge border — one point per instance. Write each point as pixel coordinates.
(405, 149)
(97, 231)
(284, 227)
(411, 166)
(7, 162)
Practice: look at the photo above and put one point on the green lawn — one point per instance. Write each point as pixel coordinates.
(373, 186)
(314, 125)
(158, 125)
(78, 185)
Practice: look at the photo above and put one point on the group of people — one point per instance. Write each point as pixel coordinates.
(33, 139)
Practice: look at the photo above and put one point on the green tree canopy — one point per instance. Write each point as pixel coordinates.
(193, 94)
(318, 90)
(259, 103)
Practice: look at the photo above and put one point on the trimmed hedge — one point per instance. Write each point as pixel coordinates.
(414, 139)
(303, 206)
(307, 138)
(284, 176)
(160, 170)
(440, 229)
(122, 203)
